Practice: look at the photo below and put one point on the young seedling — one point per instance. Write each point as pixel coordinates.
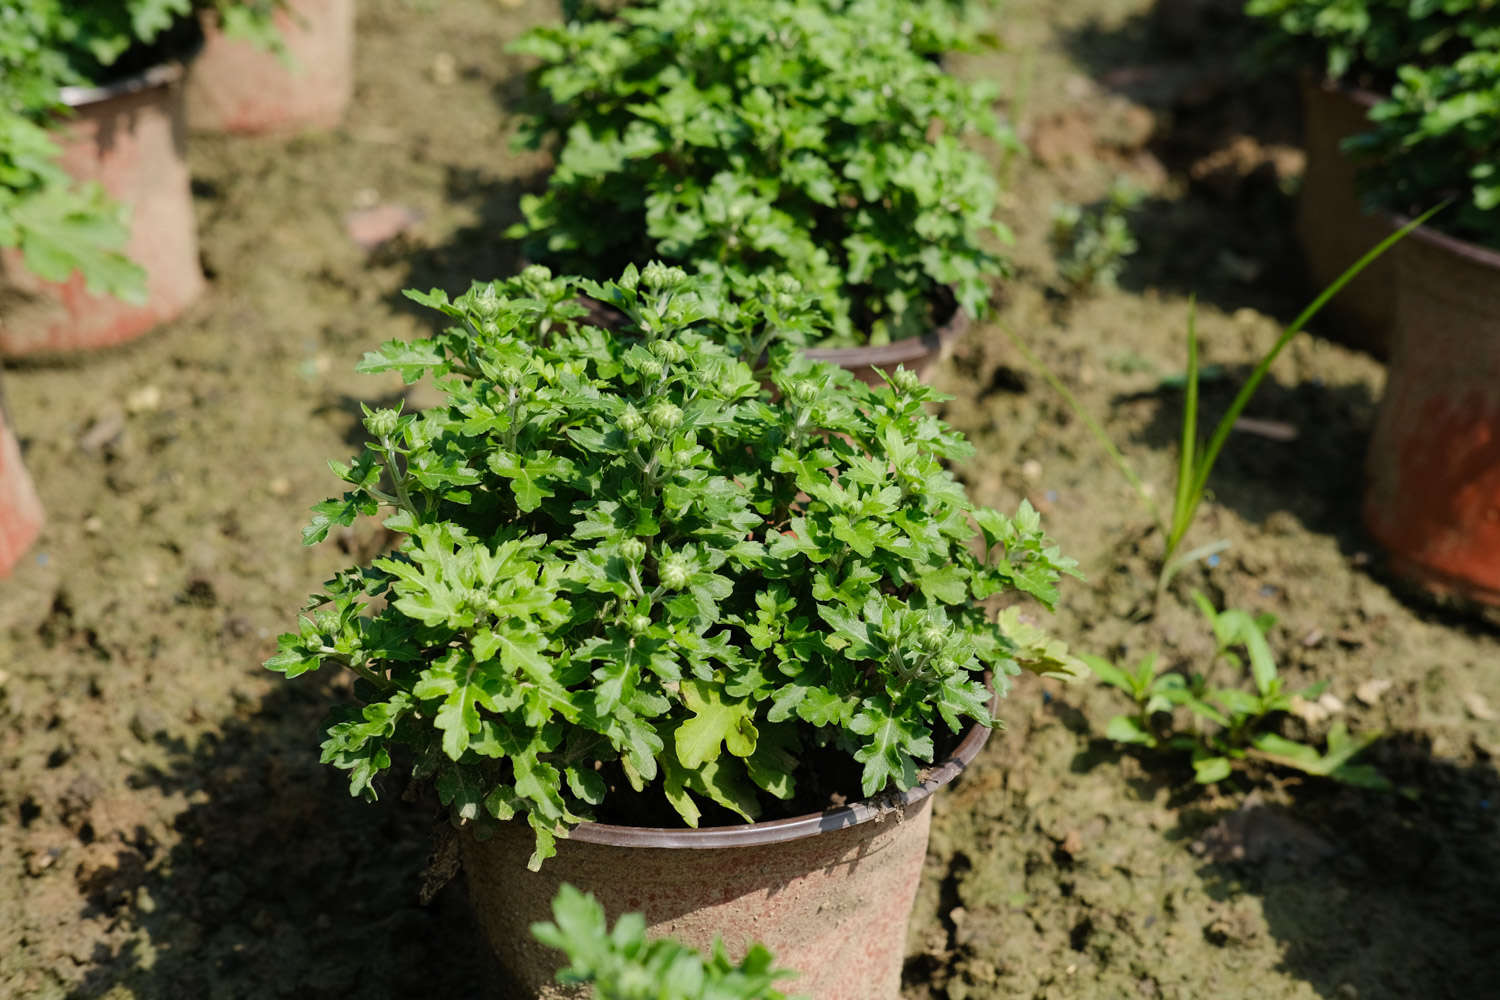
(622, 964)
(1232, 724)
(1092, 243)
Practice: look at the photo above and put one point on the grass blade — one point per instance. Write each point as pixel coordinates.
(1226, 424)
(1182, 513)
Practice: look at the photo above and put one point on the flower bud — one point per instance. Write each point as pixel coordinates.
(654, 275)
(510, 375)
(487, 302)
(665, 416)
(639, 623)
(630, 280)
(802, 392)
(382, 423)
(536, 273)
(675, 571)
(669, 351)
(631, 420)
(632, 550)
(905, 380)
(788, 285)
(931, 639)
(651, 368)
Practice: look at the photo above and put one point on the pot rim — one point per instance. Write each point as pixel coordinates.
(797, 827)
(1482, 255)
(161, 75)
(906, 349)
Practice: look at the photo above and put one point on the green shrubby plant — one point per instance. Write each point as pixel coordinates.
(1438, 137)
(1233, 724)
(1365, 42)
(58, 225)
(621, 964)
(753, 138)
(623, 569)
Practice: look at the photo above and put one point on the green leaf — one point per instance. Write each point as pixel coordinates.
(716, 722)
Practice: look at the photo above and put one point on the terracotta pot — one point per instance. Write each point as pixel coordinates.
(916, 353)
(829, 893)
(20, 508)
(1333, 228)
(129, 137)
(234, 86)
(1433, 471)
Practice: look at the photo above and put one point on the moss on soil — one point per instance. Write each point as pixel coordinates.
(166, 831)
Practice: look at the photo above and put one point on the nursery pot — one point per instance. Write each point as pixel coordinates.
(128, 136)
(235, 86)
(1433, 472)
(829, 893)
(20, 507)
(1333, 229)
(916, 353)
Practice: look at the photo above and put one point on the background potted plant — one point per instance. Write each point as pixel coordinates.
(21, 514)
(836, 156)
(274, 66)
(1348, 53)
(632, 597)
(91, 141)
(1433, 496)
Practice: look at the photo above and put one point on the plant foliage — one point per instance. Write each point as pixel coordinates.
(621, 964)
(1365, 42)
(749, 138)
(1233, 724)
(621, 565)
(1438, 137)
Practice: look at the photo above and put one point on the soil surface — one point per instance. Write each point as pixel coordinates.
(166, 830)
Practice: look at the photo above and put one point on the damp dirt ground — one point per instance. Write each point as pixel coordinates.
(167, 832)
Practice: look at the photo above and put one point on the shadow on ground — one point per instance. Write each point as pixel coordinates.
(281, 884)
(1300, 447)
(1230, 132)
(1372, 895)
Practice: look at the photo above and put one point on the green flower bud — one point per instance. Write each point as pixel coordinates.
(382, 423)
(536, 273)
(669, 351)
(630, 280)
(651, 368)
(510, 375)
(675, 571)
(639, 623)
(931, 639)
(802, 392)
(654, 275)
(905, 380)
(487, 302)
(785, 301)
(665, 416)
(631, 420)
(788, 285)
(632, 550)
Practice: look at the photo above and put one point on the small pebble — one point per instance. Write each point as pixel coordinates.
(93, 525)
(444, 69)
(143, 400)
(279, 486)
(1031, 470)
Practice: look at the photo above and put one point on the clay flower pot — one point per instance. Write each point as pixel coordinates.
(1433, 471)
(829, 893)
(1333, 228)
(234, 86)
(129, 137)
(916, 353)
(20, 508)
